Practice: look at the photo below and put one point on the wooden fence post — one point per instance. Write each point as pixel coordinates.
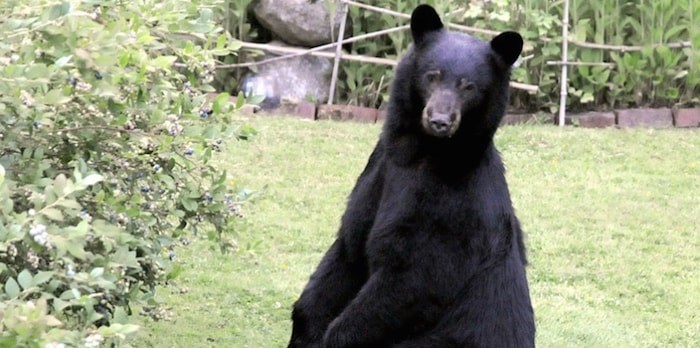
(565, 63)
(338, 51)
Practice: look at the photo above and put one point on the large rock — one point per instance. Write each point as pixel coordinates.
(292, 79)
(299, 22)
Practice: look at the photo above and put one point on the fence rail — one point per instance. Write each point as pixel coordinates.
(338, 55)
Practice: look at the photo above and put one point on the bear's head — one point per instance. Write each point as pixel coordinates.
(452, 84)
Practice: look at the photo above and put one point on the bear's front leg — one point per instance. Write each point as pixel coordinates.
(331, 287)
(390, 306)
(343, 270)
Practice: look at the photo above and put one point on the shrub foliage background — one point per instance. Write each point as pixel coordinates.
(656, 75)
(105, 137)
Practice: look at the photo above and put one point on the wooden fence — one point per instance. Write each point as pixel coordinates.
(338, 55)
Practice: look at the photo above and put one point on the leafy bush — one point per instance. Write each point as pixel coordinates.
(106, 135)
(656, 76)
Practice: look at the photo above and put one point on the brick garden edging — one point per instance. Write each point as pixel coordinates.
(622, 118)
(642, 117)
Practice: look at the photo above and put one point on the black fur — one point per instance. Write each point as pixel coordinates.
(430, 252)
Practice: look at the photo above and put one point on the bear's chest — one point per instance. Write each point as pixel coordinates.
(421, 217)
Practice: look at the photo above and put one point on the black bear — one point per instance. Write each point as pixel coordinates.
(429, 251)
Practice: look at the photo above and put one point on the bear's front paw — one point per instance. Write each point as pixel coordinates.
(336, 335)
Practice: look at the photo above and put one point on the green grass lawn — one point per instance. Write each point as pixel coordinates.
(612, 219)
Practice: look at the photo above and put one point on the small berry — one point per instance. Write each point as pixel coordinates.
(205, 112)
(171, 256)
(174, 129)
(37, 124)
(98, 75)
(145, 189)
(39, 235)
(85, 216)
(156, 168)
(189, 151)
(207, 197)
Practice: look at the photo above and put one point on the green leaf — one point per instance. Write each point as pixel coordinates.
(52, 213)
(125, 257)
(681, 74)
(235, 45)
(55, 97)
(167, 180)
(587, 97)
(256, 99)
(120, 316)
(69, 203)
(92, 179)
(60, 62)
(41, 278)
(211, 132)
(164, 62)
(80, 230)
(59, 10)
(59, 304)
(221, 100)
(97, 272)
(219, 52)
(25, 279)
(205, 15)
(36, 71)
(94, 316)
(11, 287)
(76, 250)
(189, 204)
(240, 100)
(60, 184)
(221, 41)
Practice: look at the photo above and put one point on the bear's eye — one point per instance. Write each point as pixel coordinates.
(466, 85)
(433, 76)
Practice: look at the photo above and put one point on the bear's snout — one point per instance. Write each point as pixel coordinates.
(440, 123)
(441, 115)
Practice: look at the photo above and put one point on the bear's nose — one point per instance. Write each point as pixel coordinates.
(440, 123)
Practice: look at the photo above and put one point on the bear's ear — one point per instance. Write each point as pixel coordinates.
(508, 46)
(424, 20)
